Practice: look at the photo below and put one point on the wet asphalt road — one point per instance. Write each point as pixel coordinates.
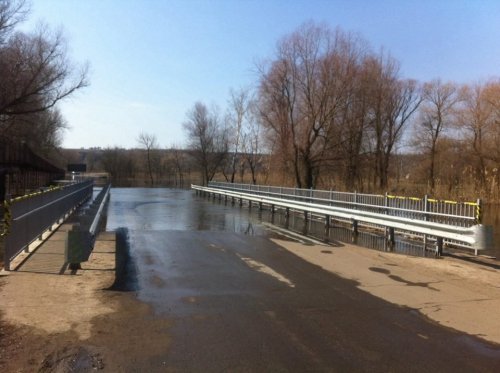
(240, 303)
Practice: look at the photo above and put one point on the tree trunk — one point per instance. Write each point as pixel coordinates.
(149, 168)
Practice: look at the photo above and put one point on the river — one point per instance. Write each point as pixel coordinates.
(150, 209)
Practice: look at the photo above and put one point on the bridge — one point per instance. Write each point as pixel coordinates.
(212, 292)
(443, 222)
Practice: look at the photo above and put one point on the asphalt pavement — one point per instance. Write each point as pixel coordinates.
(240, 303)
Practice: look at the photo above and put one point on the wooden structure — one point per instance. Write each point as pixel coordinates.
(23, 171)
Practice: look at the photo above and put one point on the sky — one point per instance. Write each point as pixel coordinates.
(151, 60)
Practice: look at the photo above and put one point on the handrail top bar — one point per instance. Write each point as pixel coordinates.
(391, 196)
(229, 186)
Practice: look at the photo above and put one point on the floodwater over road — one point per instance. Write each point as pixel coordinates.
(240, 302)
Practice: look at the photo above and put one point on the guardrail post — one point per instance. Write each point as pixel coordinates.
(391, 239)
(426, 208)
(479, 211)
(354, 237)
(439, 246)
(287, 217)
(327, 227)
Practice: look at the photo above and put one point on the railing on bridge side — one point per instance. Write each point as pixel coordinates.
(463, 214)
(457, 223)
(82, 236)
(27, 217)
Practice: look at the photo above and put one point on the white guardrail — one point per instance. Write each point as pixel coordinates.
(476, 237)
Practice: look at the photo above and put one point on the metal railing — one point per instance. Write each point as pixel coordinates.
(457, 223)
(81, 238)
(27, 217)
(463, 214)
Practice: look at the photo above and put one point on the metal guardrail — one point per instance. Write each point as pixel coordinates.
(27, 217)
(464, 214)
(367, 211)
(81, 238)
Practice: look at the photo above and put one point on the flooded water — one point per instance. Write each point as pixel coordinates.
(159, 209)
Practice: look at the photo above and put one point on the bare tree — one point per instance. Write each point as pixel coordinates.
(36, 73)
(252, 142)
(207, 139)
(150, 144)
(42, 130)
(238, 107)
(492, 97)
(476, 116)
(12, 13)
(393, 102)
(35, 70)
(302, 93)
(179, 160)
(119, 163)
(436, 114)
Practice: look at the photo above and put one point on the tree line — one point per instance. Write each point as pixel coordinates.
(327, 111)
(35, 74)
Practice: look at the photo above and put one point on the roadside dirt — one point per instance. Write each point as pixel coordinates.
(74, 323)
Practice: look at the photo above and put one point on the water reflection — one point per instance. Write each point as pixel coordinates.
(163, 209)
